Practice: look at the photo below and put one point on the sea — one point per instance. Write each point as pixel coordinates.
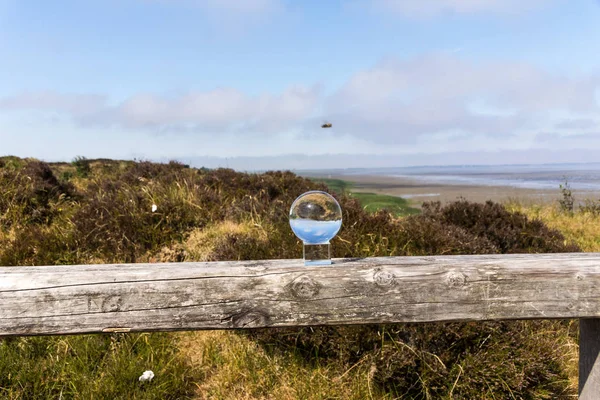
(580, 177)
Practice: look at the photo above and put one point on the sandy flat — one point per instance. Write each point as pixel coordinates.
(418, 191)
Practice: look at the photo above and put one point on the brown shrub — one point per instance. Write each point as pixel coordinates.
(39, 245)
(523, 359)
(510, 232)
(29, 194)
(226, 241)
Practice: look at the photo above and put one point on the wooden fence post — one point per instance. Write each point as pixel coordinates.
(589, 360)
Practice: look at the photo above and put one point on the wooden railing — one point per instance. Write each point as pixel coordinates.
(56, 300)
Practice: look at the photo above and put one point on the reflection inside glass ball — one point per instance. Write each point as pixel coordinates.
(315, 217)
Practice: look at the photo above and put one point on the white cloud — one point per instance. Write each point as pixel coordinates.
(578, 124)
(223, 109)
(554, 140)
(429, 8)
(77, 105)
(218, 110)
(398, 100)
(425, 103)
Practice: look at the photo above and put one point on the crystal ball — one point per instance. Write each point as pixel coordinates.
(315, 217)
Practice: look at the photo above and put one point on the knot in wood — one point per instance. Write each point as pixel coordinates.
(384, 278)
(250, 319)
(304, 287)
(579, 277)
(112, 303)
(456, 279)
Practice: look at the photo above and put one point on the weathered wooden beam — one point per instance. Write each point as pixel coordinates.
(589, 359)
(277, 293)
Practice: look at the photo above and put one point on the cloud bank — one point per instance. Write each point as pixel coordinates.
(396, 102)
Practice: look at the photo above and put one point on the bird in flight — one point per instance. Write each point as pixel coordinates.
(326, 125)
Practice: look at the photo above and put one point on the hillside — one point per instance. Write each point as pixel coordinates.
(103, 211)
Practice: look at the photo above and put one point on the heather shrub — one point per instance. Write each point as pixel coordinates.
(510, 232)
(82, 166)
(524, 359)
(590, 207)
(143, 171)
(116, 219)
(31, 194)
(567, 202)
(40, 245)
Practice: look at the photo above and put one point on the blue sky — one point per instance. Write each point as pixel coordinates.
(423, 81)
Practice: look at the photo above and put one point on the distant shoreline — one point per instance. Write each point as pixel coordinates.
(418, 191)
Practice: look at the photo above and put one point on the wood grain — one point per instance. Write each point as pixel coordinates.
(249, 294)
(589, 359)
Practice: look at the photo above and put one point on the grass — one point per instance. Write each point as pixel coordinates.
(371, 202)
(234, 367)
(338, 186)
(93, 366)
(582, 228)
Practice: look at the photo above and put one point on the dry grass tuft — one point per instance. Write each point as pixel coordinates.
(234, 367)
(582, 228)
(208, 244)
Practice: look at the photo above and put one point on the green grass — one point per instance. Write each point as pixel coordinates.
(338, 186)
(371, 202)
(93, 366)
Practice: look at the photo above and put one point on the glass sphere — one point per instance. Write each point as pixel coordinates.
(315, 217)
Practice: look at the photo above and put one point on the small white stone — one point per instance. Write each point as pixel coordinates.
(146, 376)
(154, 207)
